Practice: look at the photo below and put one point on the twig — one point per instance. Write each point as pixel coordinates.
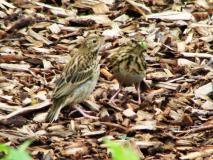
(201, 55)
(115, 125)
(134, 4)
(202, 128)
(26, 109)
(168, 85)
(198, 155)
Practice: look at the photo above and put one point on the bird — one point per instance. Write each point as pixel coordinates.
(78, 78)
(128, 66)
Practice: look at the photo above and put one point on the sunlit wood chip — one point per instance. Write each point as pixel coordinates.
(129, 113)
(7, 86)
(7, 49)
(122, 18)
(171, 15)
(204, 90)
(47, 64)
(54, 28)
(94, 133)
(145, 125)
(2, 14)
(40, 117)
(7, 4)
(42, 95)
(39, 37)
(41, 132)
(109, 2)
(189, 37)
(181, 46)
(8, 108)
(202, 3)
(183, 142)
(158, 74)
(196, 155)
(185, 62)
(146, 144)
(69, 151)
(142, 115)
(15, 67)
(208, 105)
(168, 85)
(26, 101)
(207, 38)
(190, 54)
(100, 8)
(42, 50)
(114, 32)
(176, 115)
(55, 128)
(99, 19)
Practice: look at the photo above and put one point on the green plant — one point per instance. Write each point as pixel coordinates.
(15, 154)
(119, 152)
(143, 44)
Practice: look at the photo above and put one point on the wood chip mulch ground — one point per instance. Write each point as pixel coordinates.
(175, 119)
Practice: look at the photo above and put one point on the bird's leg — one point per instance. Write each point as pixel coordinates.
(83, 112)
(113, 97)
(87, 112)
(137, 86)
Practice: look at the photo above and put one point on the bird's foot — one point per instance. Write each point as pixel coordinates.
(85, 113)
(139, 100)
(136, 102)
(139, 94)
(112, 99)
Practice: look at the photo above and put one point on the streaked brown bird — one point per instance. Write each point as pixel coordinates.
(128, 66)
(78, 79)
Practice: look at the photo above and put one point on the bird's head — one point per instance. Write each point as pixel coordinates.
(93, 42)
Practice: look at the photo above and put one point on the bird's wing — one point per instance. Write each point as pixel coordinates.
(118, 54)
(113, 56)
(76, 72)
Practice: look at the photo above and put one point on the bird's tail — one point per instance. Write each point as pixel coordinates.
(53, 113)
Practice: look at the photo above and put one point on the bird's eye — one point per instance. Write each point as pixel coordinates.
(94, 40)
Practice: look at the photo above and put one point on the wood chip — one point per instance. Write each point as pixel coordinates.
(39, 37)
(26, 109)
(100, 8)
(94, 133)
(201, 55)
(171, 15)
(106, 74)
(204, 90)
(145, 125)
(15, 67)
(129, 113)
(200, 154)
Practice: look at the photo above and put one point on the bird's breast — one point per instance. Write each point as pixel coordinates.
(128, 79)
(86, 88)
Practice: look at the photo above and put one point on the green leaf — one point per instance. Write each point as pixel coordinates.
(124, 137)
(16, 154)
(120, 152)
(4, 148)
(25, 145)
(143, 44)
